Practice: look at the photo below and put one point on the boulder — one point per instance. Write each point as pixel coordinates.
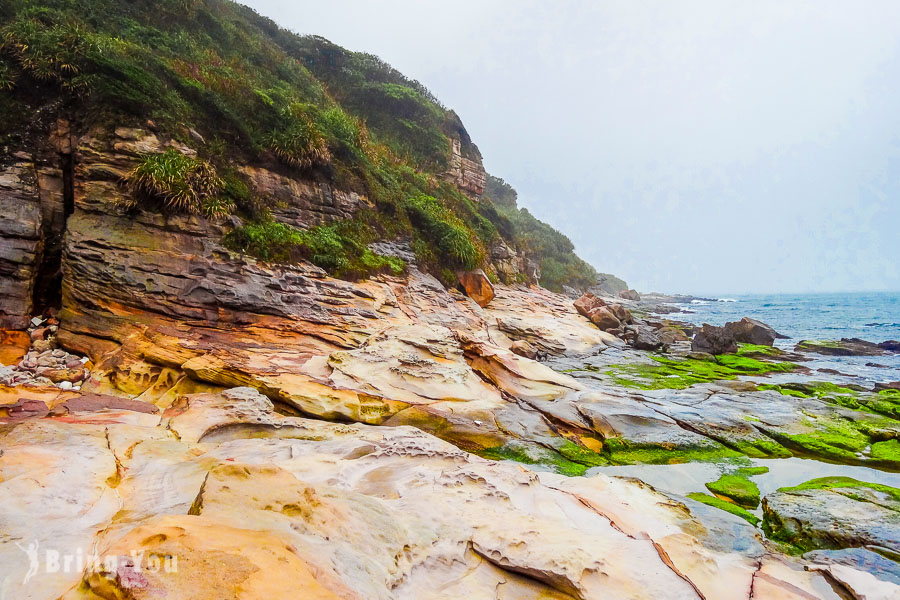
(713, 340)
(751, 331)
(60, 375)
(587, 303)
(890, 345)
(477, 286)
(833, 513)
(604, 318)
(891, 385)
(630, 295)
(646, 338)
(621, 313)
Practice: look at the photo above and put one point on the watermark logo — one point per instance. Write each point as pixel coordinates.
(127, 567)
(34, 561)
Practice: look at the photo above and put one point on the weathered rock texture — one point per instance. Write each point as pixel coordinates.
(467, 174)
(219, 497)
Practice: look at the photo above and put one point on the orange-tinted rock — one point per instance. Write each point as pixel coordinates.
(58, 375)
(588, 303)
(13, 346)
(523, 348)
(604, 318)
(477, 286)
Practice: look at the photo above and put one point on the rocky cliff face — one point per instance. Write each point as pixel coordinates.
(467, 174)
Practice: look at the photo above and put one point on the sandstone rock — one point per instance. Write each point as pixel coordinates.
(587, 303)
(836, 512)
(14, 346)
(751, 331)
(39, 334)
(523, 348)
(43, 345)
(713, 340)
(630, 295)
(469, 175)
(621, 313)
(25, 409)
(269, 506)
(60, 375)
(604, 318)
(477, 286)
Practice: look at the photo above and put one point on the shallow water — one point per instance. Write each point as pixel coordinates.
(685, 478)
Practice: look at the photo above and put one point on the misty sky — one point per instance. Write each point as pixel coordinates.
(686, 146)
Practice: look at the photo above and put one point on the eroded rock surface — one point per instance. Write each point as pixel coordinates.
(255, 505)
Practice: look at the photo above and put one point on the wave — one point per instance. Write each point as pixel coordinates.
(882, 325)
(726, 300)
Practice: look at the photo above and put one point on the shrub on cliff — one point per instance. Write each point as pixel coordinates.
(297, 140)
(449, 234)
(178, 183)
(335, 248)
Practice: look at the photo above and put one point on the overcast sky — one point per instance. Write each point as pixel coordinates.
(686, 146)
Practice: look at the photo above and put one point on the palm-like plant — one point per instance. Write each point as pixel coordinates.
(180, 182)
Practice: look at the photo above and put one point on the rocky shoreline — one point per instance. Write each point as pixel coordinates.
(393, 438)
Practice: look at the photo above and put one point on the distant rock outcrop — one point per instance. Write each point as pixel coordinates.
(607, 284)
(848, 347)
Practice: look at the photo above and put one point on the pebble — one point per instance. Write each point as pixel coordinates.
(65, 385)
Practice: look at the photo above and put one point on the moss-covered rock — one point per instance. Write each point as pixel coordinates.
(670, 373)
(833, 513)
(737, 488)
(726, 506)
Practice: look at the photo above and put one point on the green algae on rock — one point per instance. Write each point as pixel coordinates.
(570, 459)
(623, 452)
(726, 506)
(671, 373)
(737, 488)
(834, 513)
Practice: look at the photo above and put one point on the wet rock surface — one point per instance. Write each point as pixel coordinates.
(835, 513)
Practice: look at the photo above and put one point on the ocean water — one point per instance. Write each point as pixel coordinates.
(870, 316)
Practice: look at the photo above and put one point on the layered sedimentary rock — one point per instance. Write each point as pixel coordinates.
(221, 497)
(467, 174)
(21, 242)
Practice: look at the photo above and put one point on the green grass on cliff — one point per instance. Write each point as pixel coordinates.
(260, 95)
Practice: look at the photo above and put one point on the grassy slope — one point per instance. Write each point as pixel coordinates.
(257, 92)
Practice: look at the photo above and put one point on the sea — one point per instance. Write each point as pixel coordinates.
(873, 316)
